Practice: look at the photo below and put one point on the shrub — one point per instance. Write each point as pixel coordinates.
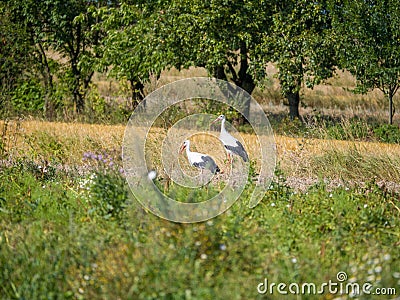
(107, 188)
(28, 97)
(388, 133)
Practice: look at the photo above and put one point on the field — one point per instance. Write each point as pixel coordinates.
(71, 229)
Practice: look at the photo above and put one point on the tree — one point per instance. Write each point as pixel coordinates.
(233, 40)
(368, 44)
(15, 54)
(133, 48)
(300, 47)
(221, 36)
(146, 37)
(62, 27)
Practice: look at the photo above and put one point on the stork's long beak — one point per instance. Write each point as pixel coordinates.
(182, 148)
(217, 119)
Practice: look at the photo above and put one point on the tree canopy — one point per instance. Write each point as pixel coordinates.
(300, 47)
(233, 40)
(368, 44)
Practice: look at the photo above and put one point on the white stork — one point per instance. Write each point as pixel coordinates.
(199, 160)
(231, 144)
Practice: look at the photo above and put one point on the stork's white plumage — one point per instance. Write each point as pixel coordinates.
(199, 160)
(231, 144)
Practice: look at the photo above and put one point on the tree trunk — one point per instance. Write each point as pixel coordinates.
(219, 73)
(137, 92)
(244, 80)
(48, 108)
(392, 110)
(294, 101)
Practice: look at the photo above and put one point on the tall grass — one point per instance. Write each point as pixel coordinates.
(54, 245)
(81, 235)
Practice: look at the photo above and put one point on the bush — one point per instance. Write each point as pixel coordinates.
(108, 193)
(388, 133)
(28, 97)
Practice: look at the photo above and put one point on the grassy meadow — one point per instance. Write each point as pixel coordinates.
(70, 228)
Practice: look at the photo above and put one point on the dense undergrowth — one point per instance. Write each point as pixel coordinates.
(68, 236)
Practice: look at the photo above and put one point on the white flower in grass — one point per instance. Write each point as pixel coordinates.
(387, 257)
(371, 278)
(203, 256)
(378, 269)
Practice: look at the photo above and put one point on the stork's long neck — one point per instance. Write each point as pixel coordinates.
(188, 149)
(223, 130)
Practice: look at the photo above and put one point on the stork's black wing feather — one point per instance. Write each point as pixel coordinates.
(207, 163)
(238, 150)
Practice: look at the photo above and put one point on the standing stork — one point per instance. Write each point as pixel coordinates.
(199, 160)
(231, 144)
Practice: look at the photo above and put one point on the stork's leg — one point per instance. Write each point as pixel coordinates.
(229, 157)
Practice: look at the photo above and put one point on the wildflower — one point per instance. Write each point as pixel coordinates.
(203, 256)
(197, 243)
(365, 205)
(272, 204)
(294, 260)
(371, 278)
(378, 269)
(222, 247)
(387, 256)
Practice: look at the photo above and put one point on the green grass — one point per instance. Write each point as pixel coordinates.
(58, 241)
(70, 229)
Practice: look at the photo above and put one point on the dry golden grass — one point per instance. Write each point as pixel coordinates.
(297, 157)
(333, 97)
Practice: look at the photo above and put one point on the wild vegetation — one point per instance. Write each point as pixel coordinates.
(72, 72)
(71, 228)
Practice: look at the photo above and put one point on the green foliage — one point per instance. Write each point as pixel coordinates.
(388, 133)
(348, 129)
(106, 187)
(299, 44)
(108, 194)
(367, 35)
(52, 245)
(28, 97)
(15, 56)
(35, 191)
